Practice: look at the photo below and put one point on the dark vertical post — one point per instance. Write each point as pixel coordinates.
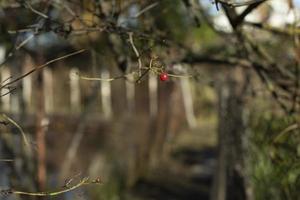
(229, 179)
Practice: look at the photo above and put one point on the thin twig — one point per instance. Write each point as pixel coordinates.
(25, 42)
(82, 182)
(100, 79)
(288, 129)
(239, 4)
(146, 9)
(18, 127)
(6, 79)
(35, 11)
(287, 31)
(180, 76)
(142, 75)
(6, 160)
(40, 67)
(9, 92)
(136, 52)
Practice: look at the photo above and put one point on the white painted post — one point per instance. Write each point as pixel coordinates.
(130, 93)
(188, 100)
(5, 100)
(48, 90)
(153, 102)
(27, 84)
(106, 94)
(75, 90)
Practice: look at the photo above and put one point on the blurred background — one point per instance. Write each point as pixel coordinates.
(85, 112)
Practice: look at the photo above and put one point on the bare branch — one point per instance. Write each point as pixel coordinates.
(40, 67)
(240, 4)
(82, 182)
(27, 5)
(26, 142)
(146, 9)
(136, 52)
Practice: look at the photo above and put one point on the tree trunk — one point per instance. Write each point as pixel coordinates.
(229, 179)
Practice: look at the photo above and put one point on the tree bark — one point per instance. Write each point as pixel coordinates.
(229, 178)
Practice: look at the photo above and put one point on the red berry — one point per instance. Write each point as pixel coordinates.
(164, 76)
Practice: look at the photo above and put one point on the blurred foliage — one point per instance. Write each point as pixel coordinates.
(275, 157)
(170, 18)
(205, 35)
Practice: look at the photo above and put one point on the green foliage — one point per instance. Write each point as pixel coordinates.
(172, 19)
(205, 35)
(275, 157)
(112, 188)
